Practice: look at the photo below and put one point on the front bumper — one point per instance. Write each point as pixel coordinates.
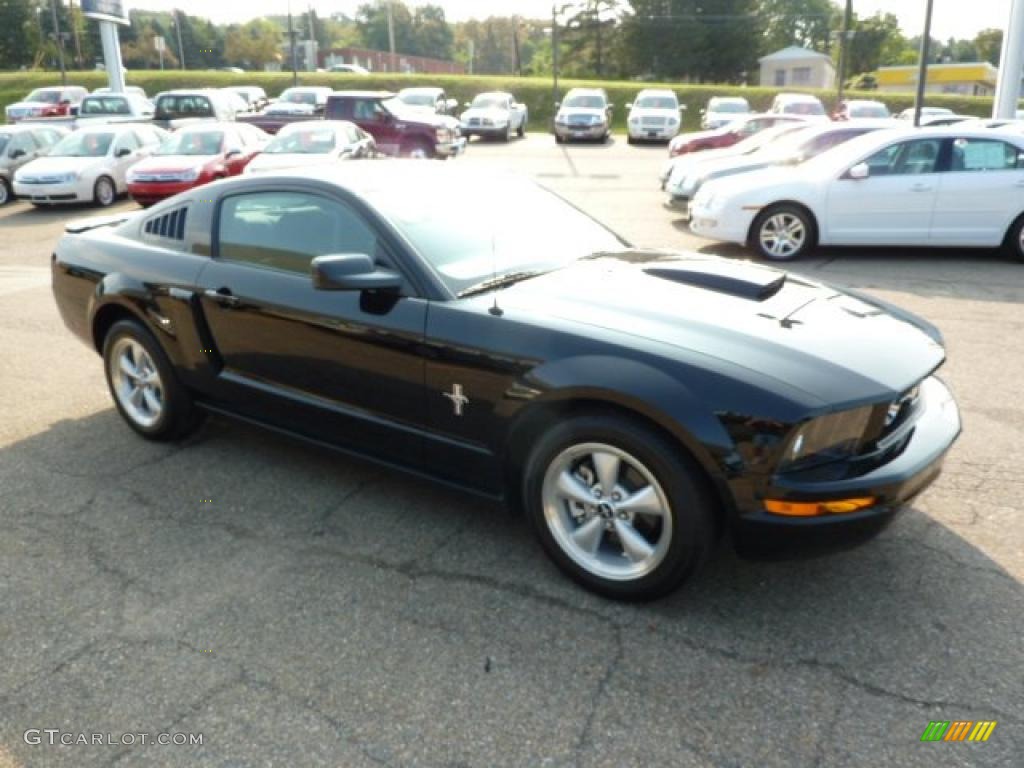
(148, 192)
(729, 225)
(894, 484)
(647, 133)
(451, 149)
(64, 192)
(680, 205)
(486, 131)
(598, 131)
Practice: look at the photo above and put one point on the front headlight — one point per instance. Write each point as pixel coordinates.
(443, 135)
(190, 175)
(832, 437)
(68, 177)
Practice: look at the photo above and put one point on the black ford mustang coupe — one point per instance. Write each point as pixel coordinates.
(483, 332)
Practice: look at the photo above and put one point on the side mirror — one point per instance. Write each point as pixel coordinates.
(122, 152)
(352, 272)
(233, 153)
(14, 154)
(859, 171)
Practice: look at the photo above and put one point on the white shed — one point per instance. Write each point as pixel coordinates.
(797, 67)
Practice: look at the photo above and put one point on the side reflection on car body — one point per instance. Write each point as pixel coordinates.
(634, 403)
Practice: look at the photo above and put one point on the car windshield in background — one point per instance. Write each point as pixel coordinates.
(585, 102)
(516, 227)
(299, 97)
(83, 145)
(656, 102)
(488, 102)
(107, 105)
(729, 107)
(418, 99)
(314, 141)
(49, 97)
(184, 105)
(804, 108)
(193, 143)
(869, 111)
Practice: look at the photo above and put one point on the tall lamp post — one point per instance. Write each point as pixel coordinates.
(1010, 64)
(844, 43)
(922, 72)
(59, 41)
(291, 37)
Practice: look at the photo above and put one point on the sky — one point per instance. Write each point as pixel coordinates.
(952, 18)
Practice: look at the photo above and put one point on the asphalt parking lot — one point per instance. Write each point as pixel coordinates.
(298, 608)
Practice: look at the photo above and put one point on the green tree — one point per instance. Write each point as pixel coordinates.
(372, 22)
(16, 19)
(253, 44)
(807, 23)
(876, 40)
(433, 36)
(989, 45)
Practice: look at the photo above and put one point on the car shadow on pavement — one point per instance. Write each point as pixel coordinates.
(27, 215)
(362, 593)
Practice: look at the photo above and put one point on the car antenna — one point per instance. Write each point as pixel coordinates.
(495, 309)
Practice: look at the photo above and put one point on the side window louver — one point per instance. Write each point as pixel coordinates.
(170, 225)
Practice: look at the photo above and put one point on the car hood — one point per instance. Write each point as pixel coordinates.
(265, 162)
(758, 180)
(642, 112)
(838, 348)
(29, 105)
(289, 108)
(172, 163)
(45, 166)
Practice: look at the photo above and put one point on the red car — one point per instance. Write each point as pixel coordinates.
(192, 157)
(727, 135)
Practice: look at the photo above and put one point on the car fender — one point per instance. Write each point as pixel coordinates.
(634, 386)
(131, 295)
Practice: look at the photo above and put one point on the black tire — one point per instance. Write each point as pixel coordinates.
(507, 136)
(179, 417)
(98, 196)
(1015, 239)
(770, 218)
(558, 139)
(6, 194)
(690, 503)
(521, 130)
(630, 139)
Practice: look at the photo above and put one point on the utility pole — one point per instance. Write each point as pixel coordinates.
(291, 37)
(554, 52)
(181, 48)
(312, 41)
(844, 43)
(515, 42)
(60, 43)
(391, 33)
(1010, 64)
(922, 72)
(74, 31)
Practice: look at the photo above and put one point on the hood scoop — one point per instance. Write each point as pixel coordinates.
(740, 280)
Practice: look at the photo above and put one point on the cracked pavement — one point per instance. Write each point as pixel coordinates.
(323, 612)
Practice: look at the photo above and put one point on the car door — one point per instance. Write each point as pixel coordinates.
(125, 153)
(22, 149)
(373, 118)
(237, 153)
(981, 194)
(342, 366)
(894, 204)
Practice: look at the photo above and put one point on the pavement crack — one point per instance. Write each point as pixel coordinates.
(586, 732)
(320, 527)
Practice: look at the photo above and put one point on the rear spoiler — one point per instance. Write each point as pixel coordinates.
(78, 226)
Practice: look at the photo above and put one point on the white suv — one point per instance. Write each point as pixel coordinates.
(654, 116)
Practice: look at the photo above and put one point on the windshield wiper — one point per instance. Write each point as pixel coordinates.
(501, 281)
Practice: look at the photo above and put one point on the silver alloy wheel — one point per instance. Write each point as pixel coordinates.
(783, 235)
(136, 382)
(1020, 242)
(104, 191)
(606, 511)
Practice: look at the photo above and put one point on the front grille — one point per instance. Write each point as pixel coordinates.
(652, 122)
(579, 120)
(156, 177)
(474, 121)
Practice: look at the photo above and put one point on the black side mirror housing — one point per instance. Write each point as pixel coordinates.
(14, 154)
(123, 152)
(233, 153)
(352, 272)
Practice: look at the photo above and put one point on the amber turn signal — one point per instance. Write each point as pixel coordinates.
(815, 508)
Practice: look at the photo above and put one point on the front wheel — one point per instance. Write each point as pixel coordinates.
(417, 152)
(1015, 239)
(5, 192)
(617, 507)
(521, 130)
(104, 193)
(783, 233)
(141, 379)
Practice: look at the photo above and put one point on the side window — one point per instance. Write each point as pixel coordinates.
(906, 158)
(22, 141)
(985, 155)
(286, 230)
(127, 140)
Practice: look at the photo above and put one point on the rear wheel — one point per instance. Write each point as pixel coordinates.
(1015, 239)
(521, 130)
(783, 233)
(5, 192)
(617, 507)
(104, 192)
(142, 381)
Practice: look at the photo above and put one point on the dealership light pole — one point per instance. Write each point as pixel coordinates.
(291, 38)
(1011, 63)
(922, 72)
(108, 15)
(844, 43)
(177, 26)
(60, 43)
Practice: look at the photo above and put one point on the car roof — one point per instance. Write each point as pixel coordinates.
(109, 128)
(333, 125)
(209, 125)
(503, 94)
(595, 91)
(28, 127)
(364, 94)
(383, 175)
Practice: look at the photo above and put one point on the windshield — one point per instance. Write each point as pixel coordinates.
(299, 97)
(40, 94)
(468, 238)
(728, 107)
(83, 145)
(585, 102)
(308, 141)
(804, 108)
(488, 101)
(105, 105)
(4, 138)
(767, 136)
(869, 110)
(656, 102)
(193, 143)
(187, 104)
(418, 99)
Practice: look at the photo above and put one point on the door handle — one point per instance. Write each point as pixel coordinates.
(920, 187)
(223, 296)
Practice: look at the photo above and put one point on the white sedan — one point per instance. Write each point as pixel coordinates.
(940, 187)
(87, 165)
(313, 143)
